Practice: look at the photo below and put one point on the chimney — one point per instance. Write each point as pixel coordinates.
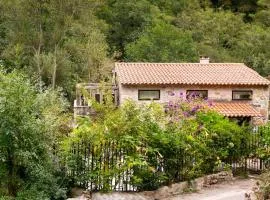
(204, 60)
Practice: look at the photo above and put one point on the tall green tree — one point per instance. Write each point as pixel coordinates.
(245, 6)
(225, 37)
(175, 7)
(215, 33)
(126, 19)
(163, 43)
(31, 124)
(54, 40)
(263, 15)
(63, 42)
(253, 48)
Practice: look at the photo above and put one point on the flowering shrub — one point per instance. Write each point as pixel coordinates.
(189, 139)
(203, 134)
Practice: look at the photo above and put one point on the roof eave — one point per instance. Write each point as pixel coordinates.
(212, 84)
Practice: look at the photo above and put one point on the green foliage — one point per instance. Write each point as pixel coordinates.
(127, 19)
(224, 37)
(184, 148)
(30, 128)
(264, 150)
(224, 139)
(61, 42)
(64, 42)
(244, 6)
(163, 43)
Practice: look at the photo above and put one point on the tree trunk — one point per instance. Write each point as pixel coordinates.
(38, 52)
(11, 184)
(54, 68)
(89, 61)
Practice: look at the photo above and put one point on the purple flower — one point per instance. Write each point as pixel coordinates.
(210, 104)
(194, 109)
(176, 118)
(171, 93)
(185, 114)
(181, 94)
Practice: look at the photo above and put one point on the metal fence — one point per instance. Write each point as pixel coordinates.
(107, 166)
(251, 161)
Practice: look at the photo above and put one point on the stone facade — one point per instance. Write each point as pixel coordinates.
(260, 98)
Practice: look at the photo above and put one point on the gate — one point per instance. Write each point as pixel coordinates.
(251, 162)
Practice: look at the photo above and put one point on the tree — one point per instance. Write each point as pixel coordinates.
(175, 7)
(216, 33)
(54, 41)
(225, 37)
(162, 43)
(63, 42)
(126, 19)
(245, 6)
(31, 124)
(170, 6)
(253, 47)
(263, 15)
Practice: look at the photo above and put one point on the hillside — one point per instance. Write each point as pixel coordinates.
(61, 42)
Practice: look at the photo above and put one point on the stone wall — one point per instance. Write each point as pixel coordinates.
(191, 186)
(164, 192)
(260, 98)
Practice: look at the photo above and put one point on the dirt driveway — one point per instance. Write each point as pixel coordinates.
(233, 191)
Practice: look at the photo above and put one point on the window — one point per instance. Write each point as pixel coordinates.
(83, 101)
(149, 94)
(197, 93)
(113, 97)
(97, 97)
(241, 94)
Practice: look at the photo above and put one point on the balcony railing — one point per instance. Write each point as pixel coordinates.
(93, 89)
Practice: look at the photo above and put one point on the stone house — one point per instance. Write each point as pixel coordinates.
(236, 90)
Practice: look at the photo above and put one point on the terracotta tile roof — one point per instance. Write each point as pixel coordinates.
(187, 73)
(236, 109)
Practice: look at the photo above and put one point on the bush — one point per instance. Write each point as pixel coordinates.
(264, 147)
(187, 141)
(30, 131)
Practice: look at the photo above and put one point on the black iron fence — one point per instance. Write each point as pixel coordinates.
(110, 165)
(251, 160)
(101, 167)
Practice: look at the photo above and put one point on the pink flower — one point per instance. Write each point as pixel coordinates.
(210, 104)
